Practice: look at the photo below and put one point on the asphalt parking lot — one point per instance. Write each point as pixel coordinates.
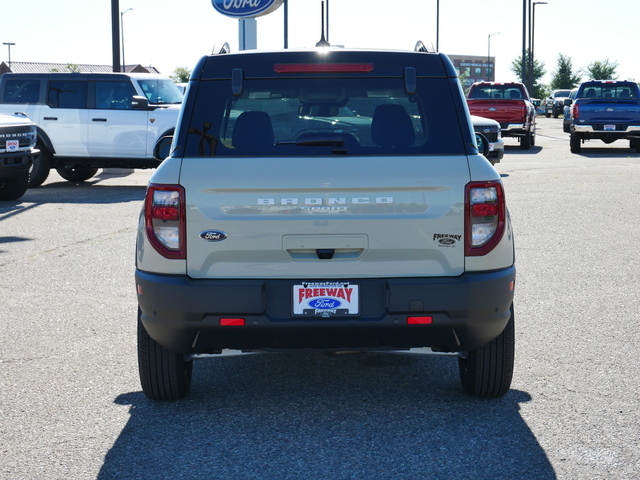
(72, 406)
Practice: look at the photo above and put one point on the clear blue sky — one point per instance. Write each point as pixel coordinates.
(170, 34)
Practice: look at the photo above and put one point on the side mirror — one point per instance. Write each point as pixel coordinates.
(483, 144)
(163, 148)
(140, 103)
(567, 102)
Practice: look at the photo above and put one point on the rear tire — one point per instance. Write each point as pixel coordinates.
(525, 141)
(76, 174)
(574, 142)
(13, 188)
(164, 375)
(488, 371)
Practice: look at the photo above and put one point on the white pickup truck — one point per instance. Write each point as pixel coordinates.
(87, 121)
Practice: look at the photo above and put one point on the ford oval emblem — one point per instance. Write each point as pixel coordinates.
(325, 303)
(245, 8)
(446, 241)
(493, 109)
(213, 235)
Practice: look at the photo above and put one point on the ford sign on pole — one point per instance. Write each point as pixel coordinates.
(246, 8)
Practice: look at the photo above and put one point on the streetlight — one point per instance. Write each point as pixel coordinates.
(9, 44)
(122, 35)
(532, 26)
(438, 26)
(490, 70)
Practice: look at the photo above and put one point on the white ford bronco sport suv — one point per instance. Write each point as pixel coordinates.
(88, 121)
(330, 200)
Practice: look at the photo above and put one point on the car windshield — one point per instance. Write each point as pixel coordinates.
(324, 116)
(561, 93)
(161, 91)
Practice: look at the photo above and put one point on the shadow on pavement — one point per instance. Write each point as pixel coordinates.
(312, 416)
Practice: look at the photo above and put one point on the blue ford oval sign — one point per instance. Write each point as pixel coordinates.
(325, 303)
(213, 235)
(246, 8)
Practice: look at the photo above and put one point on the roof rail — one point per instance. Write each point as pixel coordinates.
(420, 47)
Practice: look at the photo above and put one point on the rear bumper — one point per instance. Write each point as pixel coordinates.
(514, 129)
(184, 314)
(598, 131)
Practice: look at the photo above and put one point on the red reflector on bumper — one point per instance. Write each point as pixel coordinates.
(231, 322)
(419, 320)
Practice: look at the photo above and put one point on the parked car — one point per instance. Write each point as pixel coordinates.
(510, 105)
(87, 121)
(270, 228)
(17, 151)
(566, 118)
(607, 110)
(490, 129)
(554, 105)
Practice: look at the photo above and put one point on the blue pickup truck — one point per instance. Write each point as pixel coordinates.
(608, 110)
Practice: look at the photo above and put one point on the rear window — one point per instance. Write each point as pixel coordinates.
(609, 90)
(495, 91)
(302, 117)
(19, 90)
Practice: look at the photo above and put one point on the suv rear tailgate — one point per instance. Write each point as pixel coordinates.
(330, 217)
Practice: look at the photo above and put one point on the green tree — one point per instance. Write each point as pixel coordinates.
(180, 75)
(602, 70)
(564, 76)
(539, 71)
(69, 67)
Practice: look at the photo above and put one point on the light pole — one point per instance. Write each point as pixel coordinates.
(490, 70)
(437, 25)
(122, 35)
(533, 34)
(9, 45)
(532, 26)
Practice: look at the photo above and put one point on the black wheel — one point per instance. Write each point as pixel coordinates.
(574, 142)
(164, 375)
(548, 115)
(635, 143)
(525, 142)
(12, 188)
(76, 174)
(487, 371)
(40, 168)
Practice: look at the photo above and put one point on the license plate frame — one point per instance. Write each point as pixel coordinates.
(325, 299)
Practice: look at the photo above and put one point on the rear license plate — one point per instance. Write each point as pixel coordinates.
(610, 128)
(326, 299)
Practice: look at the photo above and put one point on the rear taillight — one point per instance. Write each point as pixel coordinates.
(576, 111)
(485, 217)
(165, 219)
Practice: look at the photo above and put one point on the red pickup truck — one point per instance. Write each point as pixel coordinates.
(510, 105)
